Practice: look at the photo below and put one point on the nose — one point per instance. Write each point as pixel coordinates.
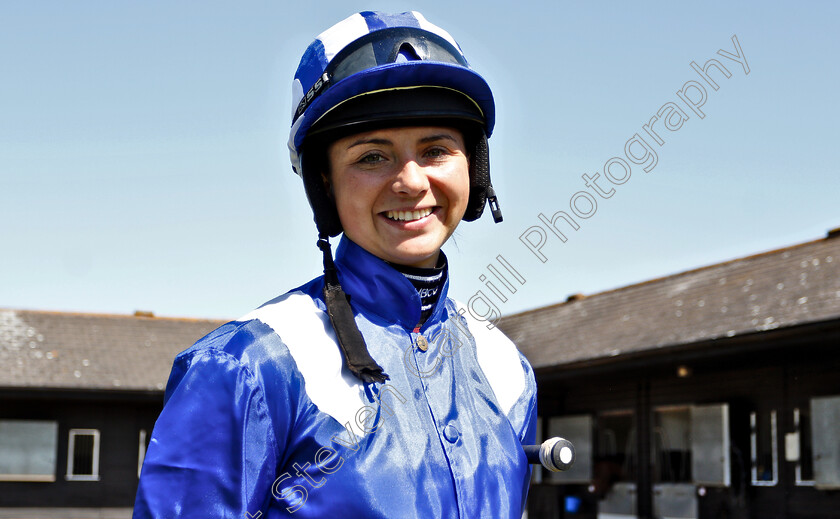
(411, 180)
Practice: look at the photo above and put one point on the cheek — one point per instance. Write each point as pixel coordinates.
(465, 186)
(353, 196)
(460, 189)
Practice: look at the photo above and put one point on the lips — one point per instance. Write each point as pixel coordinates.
(408, 216)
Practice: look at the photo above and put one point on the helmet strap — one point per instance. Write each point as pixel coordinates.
(481, 190)
(350, 339)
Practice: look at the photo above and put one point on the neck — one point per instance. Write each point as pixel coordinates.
(427, 281)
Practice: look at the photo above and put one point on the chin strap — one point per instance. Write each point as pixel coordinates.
(349, 337)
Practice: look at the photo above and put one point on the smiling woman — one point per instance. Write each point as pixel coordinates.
(400, 192)
(389, 136)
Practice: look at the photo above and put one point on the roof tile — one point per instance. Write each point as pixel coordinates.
(91, 351)
(787, 287)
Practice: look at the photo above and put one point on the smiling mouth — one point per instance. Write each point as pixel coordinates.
(408, 216)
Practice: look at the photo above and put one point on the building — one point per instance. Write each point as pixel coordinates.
(713, 393)
(80, 395)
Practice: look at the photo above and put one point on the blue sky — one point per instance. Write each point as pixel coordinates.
(143, 161)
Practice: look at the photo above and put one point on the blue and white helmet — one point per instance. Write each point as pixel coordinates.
(375, 70)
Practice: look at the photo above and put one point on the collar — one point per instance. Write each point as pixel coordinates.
(379, 289)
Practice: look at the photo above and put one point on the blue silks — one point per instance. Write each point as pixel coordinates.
(262, 420)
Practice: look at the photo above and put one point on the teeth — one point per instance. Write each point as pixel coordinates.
(408, 216)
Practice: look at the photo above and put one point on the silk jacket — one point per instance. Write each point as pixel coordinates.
(262, 419)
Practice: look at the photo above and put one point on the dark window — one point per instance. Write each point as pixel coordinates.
(672, 444)
(805, 458)
(616, 451)
(83, 455)
(764, 448)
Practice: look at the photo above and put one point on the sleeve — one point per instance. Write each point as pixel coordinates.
(525, 408)
(213, 451)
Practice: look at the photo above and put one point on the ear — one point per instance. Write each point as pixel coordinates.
(327, 186)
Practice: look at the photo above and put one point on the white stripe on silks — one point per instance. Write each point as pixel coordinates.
(498, 358)
(429, 26)
(307, 333)
(339, 35)
(430, 279)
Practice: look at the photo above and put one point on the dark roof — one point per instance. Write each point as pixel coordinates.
(91, 351)
(782, 288)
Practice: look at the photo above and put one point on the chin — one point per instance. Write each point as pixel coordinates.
(414, 256)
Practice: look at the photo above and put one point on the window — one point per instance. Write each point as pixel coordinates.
(710, 452)
(798, 447)
(613, 484)
(578, 430)
(28, 450)
(671, 447)
(83, 455)
(615, 457)
(764, 449)
(141, 453)
(825, 449)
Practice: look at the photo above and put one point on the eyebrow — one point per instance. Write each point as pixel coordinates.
(386, 142)
(438, 137)
(359, 142)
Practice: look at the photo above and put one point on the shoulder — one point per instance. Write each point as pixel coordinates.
(257, 347)
(258, 337)
(289, 346)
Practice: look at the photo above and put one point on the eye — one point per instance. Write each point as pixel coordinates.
(437, 152)
(371, 158)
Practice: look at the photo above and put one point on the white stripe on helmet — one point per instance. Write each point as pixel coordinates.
(293, 154)
(341, 34)
(297, 95)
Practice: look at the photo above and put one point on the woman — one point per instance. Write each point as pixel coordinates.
(365, 392)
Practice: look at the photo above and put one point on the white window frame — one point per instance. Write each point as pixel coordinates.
(774, 453)
(71, 445)
(141, 451)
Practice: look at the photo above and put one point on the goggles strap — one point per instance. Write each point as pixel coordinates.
(350, 339)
